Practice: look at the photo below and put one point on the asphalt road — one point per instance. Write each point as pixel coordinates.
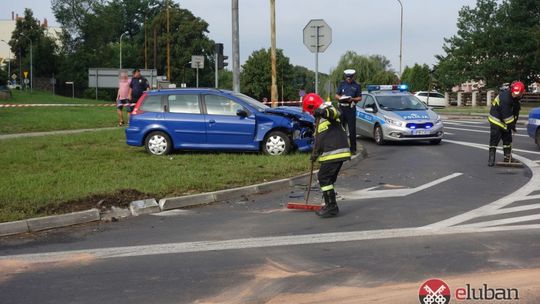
(409, 212)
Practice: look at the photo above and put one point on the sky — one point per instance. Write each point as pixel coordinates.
(364, 26)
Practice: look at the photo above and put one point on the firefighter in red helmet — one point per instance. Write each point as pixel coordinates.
(503, 117)
(331, 148)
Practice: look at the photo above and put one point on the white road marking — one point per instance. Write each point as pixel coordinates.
(481, 131)
(369, 193)
(448, 133)
(483, 122)
(531, 186)
(517, 209)
(505, 221)
(258, 242)
(477, 126)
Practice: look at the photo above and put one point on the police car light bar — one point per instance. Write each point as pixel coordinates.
(401, 87)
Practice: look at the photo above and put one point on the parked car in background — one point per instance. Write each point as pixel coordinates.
(533, 126)
(216, 120)
(435, 99)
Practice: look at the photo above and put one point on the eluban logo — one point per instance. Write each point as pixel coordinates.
(486, 293)
(434, 291)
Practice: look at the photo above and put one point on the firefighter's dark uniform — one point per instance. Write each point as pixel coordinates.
(348, 108)
(331, 150)
(503, 116)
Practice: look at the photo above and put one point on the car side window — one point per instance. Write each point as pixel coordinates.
(184, 103)
(361, 103)
(369, 101)
(220, 105)
(152, 103)
(424, 94)
(437, 95)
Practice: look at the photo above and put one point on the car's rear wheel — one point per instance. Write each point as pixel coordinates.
(276, 143)
(378, 135)
(158, 143)
(435, 141)
(538, 137)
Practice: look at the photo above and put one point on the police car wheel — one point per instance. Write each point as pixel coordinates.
(158, 143)
(276, 143)
(378, 135)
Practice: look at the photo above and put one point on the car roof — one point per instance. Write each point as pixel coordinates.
(387, 93)
(187, 90)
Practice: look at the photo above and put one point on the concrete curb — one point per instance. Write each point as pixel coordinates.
(56, 221)
(148, 206)
(10, 228)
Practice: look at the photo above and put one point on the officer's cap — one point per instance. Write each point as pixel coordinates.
(349, 72)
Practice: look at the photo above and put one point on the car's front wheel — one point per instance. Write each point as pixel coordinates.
(276, 143)
(378, 135)
(158, 143)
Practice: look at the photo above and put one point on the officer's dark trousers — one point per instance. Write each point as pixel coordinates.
(348, 119)
(496, 134)
(328, 174)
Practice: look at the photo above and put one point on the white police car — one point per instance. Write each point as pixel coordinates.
(391, 113)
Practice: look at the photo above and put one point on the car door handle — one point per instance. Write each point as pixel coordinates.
(211, 121)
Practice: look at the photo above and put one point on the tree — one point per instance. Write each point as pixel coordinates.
(417, 77)
(373, 69)
(44, 52)
(495, 42)
(256, 75)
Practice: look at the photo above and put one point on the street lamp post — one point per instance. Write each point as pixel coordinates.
(401, 40)
(124, 33)
(9, 59)
(31, 63)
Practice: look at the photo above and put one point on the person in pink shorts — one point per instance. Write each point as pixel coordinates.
(122, 98)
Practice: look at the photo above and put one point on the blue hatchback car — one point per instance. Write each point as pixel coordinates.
(533, 127)
(216, 120)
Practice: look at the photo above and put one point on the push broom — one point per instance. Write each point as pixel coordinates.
(305, 205)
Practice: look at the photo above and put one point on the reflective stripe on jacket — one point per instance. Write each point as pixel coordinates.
(504, 111)
(332, 143)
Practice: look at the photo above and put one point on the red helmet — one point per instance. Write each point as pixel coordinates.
(517, 87)
(311, 102)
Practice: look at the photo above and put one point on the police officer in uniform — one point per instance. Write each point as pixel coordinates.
(503, 117)
(348, 95)
(331, 149)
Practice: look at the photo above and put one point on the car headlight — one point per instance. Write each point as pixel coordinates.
(438, 120)
(393, 122)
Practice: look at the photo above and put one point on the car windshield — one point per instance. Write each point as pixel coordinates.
(252, 102)
(400, 103)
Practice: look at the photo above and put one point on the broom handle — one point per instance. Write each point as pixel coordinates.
(312, 162)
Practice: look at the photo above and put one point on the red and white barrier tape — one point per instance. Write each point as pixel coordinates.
(27, 105)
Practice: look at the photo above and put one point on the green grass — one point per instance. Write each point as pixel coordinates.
(40, 119)
(47, 97)
(54, 169)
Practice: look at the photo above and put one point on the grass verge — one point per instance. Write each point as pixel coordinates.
(47, 97)
(22, 120)
(42, 173)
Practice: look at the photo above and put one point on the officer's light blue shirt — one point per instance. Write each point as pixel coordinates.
(352, 89)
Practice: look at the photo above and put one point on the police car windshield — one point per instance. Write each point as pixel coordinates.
(400, 103)
(252, 102)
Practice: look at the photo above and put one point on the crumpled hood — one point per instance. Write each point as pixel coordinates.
(295, 112)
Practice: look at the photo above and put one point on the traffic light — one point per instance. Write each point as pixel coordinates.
(220, 58)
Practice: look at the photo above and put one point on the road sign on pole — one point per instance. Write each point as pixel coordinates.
(25, 74)
(197, 62)
(317, 38)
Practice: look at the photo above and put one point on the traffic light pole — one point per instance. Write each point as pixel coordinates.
(216, 70)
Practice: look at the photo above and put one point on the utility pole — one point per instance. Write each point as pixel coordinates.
(273, 89)
(235, 47)
(168, 46)
(145, 45)
(401, 41)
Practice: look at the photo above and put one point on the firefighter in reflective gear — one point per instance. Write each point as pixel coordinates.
(331, 149)
(503, 117)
